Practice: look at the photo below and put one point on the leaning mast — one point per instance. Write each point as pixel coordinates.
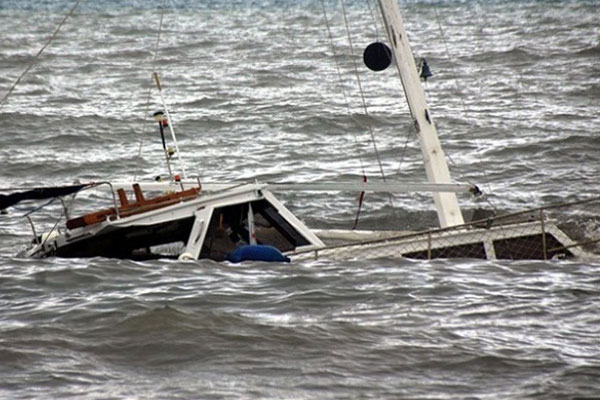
(446, 204)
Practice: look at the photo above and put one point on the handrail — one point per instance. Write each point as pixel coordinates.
(488, 221)
(112, 192)
(35, 236)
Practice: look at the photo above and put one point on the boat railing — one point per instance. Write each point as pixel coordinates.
(114, 196)
(40, 239)
(127, 208)
(532, 234)
(96, 185)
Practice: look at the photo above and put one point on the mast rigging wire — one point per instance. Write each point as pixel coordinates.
(362, 94)
(370, 6)
(369, 127)
(40, 51)
(341, 82)
(147, 107)
(462, 102)
(411, 129)
(366, 110)
(356, 142)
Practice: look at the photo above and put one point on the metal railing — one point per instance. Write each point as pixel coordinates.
(539, 233)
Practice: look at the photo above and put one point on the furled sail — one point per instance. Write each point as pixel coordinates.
(40, 193)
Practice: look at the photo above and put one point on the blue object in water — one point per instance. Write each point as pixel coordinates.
(256, 252)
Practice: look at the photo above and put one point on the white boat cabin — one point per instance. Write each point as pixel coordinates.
(189, 225)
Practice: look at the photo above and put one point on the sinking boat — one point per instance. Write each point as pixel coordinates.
(237, 222)
(207, 225)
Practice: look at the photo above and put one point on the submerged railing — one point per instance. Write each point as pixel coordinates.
(542, 233)
(65, 214)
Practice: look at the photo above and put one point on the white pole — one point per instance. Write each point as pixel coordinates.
(433, 156)
(251, 227)
(375, 187)
(170, 125)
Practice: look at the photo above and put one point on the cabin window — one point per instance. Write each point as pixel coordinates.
(470, 250)
(228, 229)
(529, 247)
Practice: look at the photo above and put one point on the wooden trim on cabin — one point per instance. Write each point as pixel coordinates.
(127, 209)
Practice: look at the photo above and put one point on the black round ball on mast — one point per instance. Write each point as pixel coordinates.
(377, 56)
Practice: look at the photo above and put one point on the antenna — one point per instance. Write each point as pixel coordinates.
(170, 124)
(159, 116)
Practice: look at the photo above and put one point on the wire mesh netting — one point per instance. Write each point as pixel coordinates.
(554, 232)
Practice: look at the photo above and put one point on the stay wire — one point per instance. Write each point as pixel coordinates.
(35, 209)
(362, 94)
(462, 101)
(40, 51)
(370, 6)
(343, 90)
(153, 68)
(410, 129)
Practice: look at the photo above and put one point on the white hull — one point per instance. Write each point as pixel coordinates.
(209, 226)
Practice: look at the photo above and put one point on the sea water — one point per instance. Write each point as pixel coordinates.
(254, 92)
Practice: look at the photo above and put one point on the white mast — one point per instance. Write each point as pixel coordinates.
(433, 156)
(170, 122)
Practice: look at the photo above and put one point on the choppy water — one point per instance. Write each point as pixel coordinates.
(255, 93)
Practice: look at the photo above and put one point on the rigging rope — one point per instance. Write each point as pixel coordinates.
(32, 63)
(339, 73)
(147, 107)
(373, 19)
(370, 129)
(341, 82)
(362, 94)
(462, 101)
(356, 142)
(410, 129)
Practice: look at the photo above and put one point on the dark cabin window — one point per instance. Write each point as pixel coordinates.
(228, 229)
(469, 250)
(529, 247)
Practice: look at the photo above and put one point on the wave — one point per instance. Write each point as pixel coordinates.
(512, 54)
(593, 51)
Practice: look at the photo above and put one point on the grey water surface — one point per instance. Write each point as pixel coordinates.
(254, 92)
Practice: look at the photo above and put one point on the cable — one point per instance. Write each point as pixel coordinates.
(373, 19)
(362, 95)
(147, 107)
(405, 147)
(462, 101)
(339, 74)
(14, 85)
